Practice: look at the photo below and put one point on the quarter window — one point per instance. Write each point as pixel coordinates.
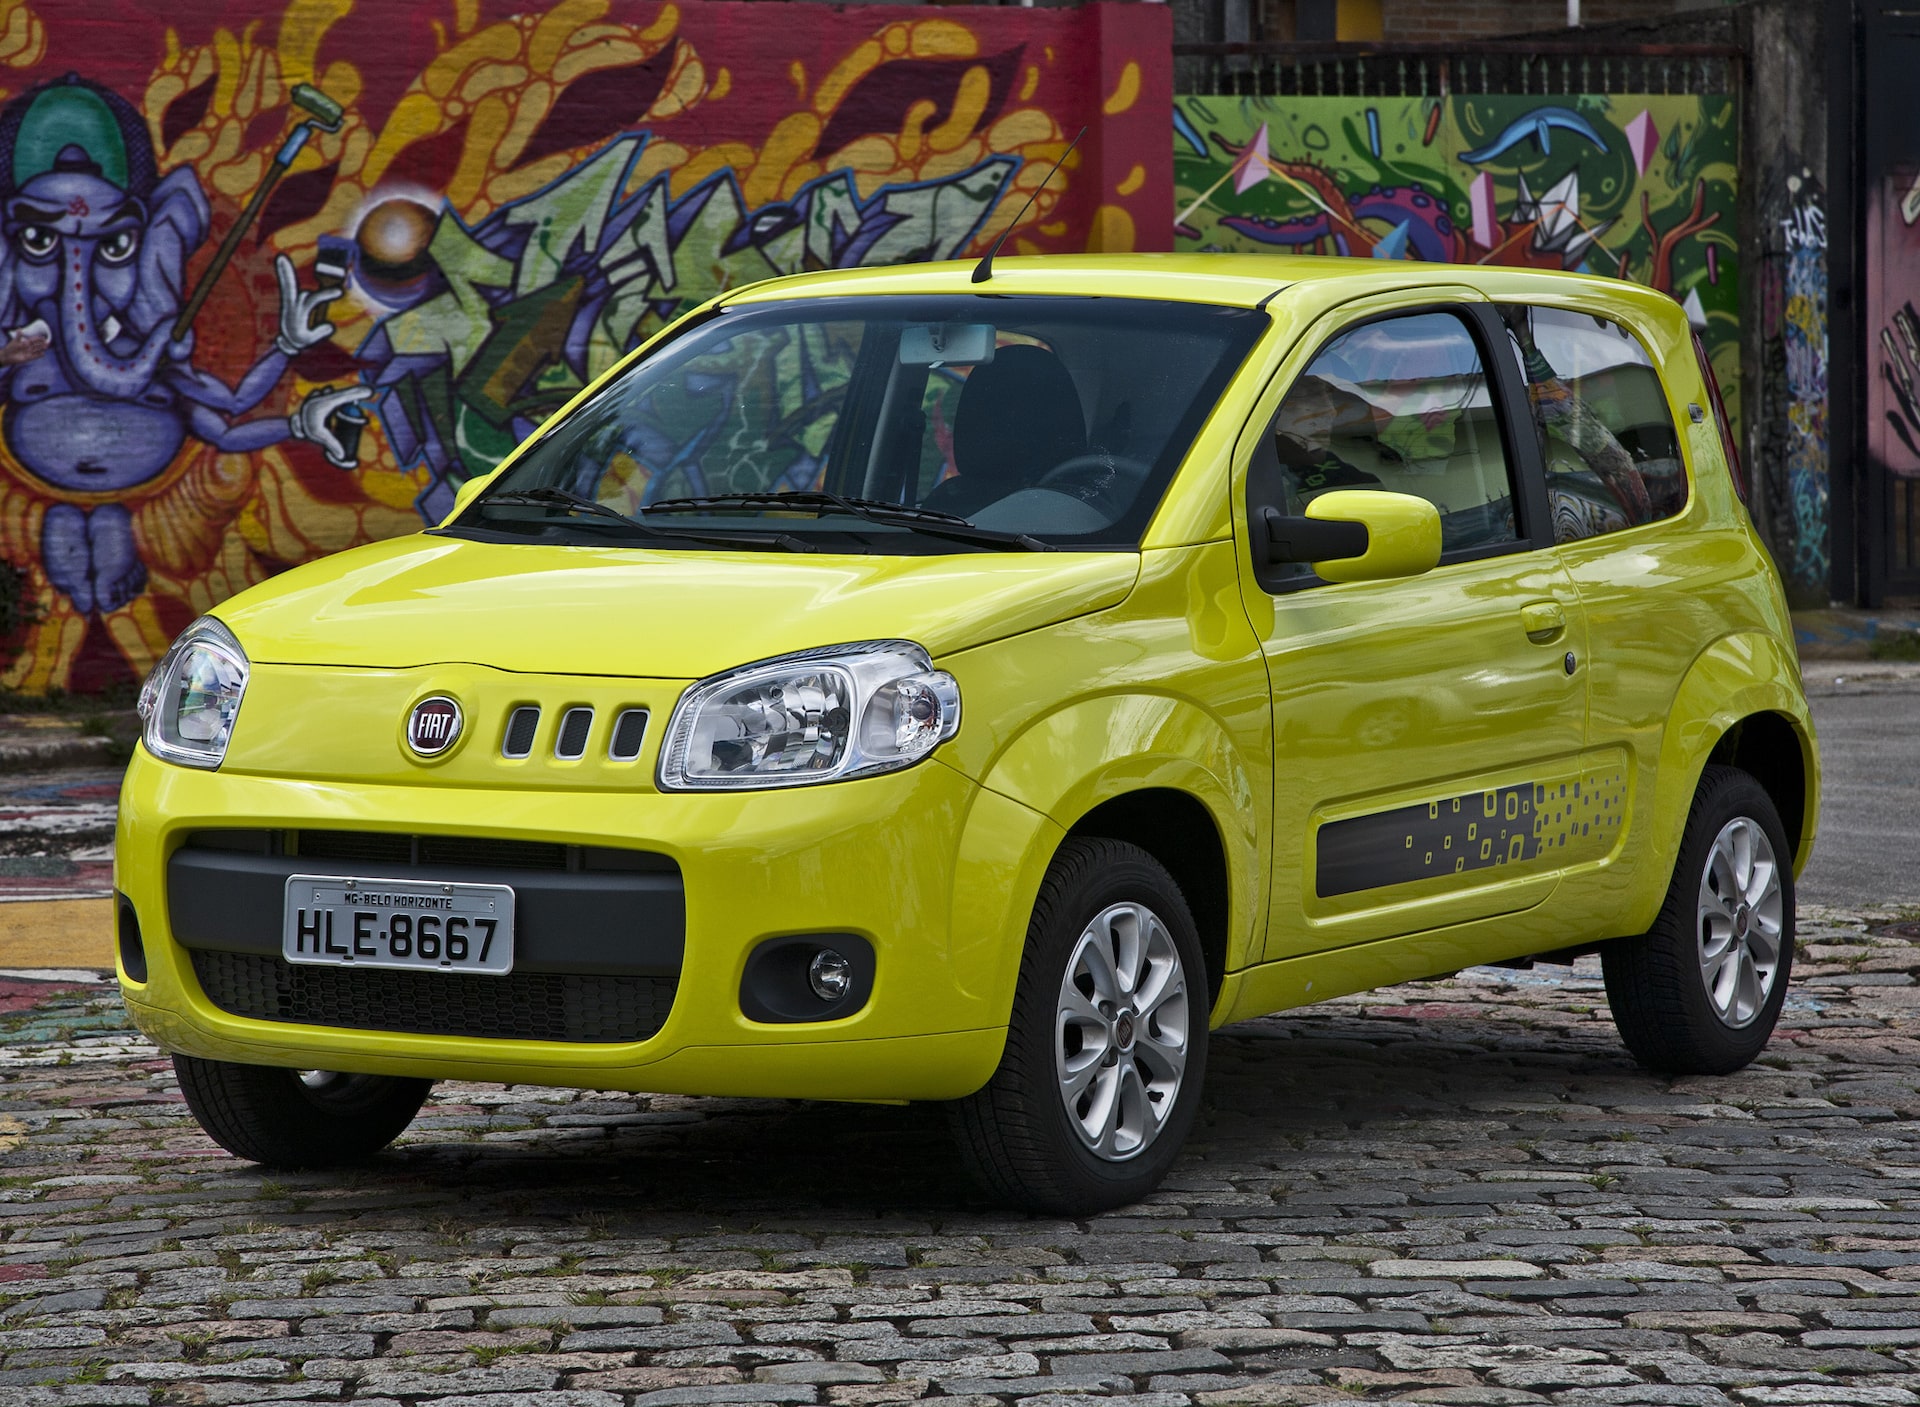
(1403, 405)
(1606, 435)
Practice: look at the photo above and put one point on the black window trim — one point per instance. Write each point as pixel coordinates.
(1506, 388)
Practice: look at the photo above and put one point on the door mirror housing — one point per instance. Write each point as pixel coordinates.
(1353, 535)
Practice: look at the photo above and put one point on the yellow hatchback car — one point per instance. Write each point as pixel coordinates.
(900, 685)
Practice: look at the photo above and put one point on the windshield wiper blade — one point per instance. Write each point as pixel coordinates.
(545, 496)
(564, 498)
(929, 521)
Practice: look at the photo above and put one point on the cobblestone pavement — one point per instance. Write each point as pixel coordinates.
(1450, 1192)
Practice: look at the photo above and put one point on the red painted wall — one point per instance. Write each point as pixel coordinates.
(514, 195)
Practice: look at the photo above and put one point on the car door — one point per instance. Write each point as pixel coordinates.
(1655, 593)
(1428, 731)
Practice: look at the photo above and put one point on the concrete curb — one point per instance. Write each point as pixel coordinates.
(31, 754)
(1831, 678)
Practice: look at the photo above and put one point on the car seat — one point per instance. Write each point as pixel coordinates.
(1019, 416)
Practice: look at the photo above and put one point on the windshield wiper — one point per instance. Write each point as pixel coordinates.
(564, 498)
(930, 522)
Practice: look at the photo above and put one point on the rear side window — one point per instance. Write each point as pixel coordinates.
(1611, 452)
(1401, 404)
(1727, 446)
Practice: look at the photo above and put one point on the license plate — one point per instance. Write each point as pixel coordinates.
(413, 924)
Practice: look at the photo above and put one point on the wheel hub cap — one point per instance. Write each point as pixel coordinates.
(1741, 913)
(1121, 1031)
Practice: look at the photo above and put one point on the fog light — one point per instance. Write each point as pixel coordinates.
(807, 977)
(829, 974)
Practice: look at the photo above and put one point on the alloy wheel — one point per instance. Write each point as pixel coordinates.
(1740, 922)
(1121, 1031)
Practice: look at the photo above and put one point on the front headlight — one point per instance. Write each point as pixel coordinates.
(817, 716)
(189, 702)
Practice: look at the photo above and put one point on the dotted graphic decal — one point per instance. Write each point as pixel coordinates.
(1581, 816)
(1564, 821)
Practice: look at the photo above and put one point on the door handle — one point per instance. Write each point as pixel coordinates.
(1543, 621)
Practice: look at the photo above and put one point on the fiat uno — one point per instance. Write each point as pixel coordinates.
(886, 685)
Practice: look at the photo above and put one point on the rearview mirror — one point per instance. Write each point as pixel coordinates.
(947, 344)
(1353, 535)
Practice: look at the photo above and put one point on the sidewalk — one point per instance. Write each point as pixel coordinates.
(59, 782)
(1849, 634)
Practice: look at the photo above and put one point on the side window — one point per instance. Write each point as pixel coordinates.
(1606, 436)
(1402, 404)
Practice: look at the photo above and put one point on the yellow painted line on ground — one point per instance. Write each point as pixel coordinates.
(57, 933)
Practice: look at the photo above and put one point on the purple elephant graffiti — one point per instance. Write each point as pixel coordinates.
(99, 392)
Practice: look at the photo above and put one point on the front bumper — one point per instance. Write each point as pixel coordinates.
(876, 858)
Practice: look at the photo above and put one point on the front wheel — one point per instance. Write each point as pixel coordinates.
(297, 1118)
(1700, 991)
(1107, 1044)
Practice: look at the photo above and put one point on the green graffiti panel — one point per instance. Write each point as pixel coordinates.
(1636, 186)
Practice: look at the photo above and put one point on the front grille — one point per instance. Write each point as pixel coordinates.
(522, 1006)
(628, 731)
(521, 724)
(575, 724)
(389, 848)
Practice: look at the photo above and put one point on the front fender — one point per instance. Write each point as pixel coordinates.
(1736, 677)
(1070, 761)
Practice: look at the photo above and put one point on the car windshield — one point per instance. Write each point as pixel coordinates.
(884, 424)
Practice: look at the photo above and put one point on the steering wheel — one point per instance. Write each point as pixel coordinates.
(1109, 482)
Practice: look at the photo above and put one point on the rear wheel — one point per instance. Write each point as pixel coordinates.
(1107, 1046)
(297, 1118)
(1700, 991)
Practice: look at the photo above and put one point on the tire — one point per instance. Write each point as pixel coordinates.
(1700, 991)
(297, 1118)
(1019, 1136)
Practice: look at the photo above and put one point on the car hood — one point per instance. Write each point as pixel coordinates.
(542, 609)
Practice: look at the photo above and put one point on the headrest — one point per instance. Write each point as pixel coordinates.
(1019, 416)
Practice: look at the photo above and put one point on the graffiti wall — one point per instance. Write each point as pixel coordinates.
(276, 276)
(1631, 186)
(1792, 457)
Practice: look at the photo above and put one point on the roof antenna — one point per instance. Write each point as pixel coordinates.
(984, 269)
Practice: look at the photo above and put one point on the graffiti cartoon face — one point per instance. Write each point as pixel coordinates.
(93, 258)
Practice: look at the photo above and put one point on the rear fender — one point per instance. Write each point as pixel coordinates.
(1736, 677)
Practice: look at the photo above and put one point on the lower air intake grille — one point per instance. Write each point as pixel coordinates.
(388, 848)
(522, 1006)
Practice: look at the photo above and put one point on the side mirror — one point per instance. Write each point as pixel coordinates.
(464, 496)
(1353, 535)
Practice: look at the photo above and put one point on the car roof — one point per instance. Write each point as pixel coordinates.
(1232, 280)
